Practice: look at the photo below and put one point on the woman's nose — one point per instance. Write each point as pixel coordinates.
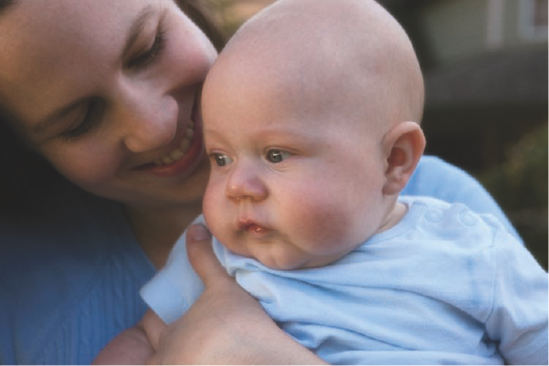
(244, 183)
(149, 123)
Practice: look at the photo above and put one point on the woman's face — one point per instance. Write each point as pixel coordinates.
(108, 92)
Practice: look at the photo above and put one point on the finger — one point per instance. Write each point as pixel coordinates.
(202, 256)
(154, 360)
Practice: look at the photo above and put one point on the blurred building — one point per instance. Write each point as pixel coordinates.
(485, 66)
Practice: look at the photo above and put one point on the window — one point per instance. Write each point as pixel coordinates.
(533, 20)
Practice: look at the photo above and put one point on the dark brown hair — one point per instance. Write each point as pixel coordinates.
(25, 176)
(22, 170)
(202, 16)
(4, 4)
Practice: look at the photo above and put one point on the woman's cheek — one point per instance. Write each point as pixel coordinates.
(86, 165)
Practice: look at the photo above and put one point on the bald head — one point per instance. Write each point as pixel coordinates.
(345, 52)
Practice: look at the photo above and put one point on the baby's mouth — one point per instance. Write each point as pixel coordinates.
(256, 229)
(253, 228)
(179, 152)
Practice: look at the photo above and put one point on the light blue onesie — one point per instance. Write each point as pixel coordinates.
(444, 286)
(70, 272)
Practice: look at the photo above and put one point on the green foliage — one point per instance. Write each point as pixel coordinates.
(520, 186)
(228, 21)
(521, 181)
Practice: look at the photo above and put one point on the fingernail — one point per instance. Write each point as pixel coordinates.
(198, 232)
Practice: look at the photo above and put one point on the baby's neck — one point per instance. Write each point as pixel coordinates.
(393, 217)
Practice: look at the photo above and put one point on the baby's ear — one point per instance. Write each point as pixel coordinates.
(403, 146)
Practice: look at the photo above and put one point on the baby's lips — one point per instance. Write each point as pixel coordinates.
(256, 229)
(243, 224)
(250, 226)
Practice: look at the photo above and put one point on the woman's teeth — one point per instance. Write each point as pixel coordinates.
(179, 152)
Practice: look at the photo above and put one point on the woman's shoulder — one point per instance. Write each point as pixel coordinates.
(436, 178)
(57, 262)
(66, 222)
(433, 174)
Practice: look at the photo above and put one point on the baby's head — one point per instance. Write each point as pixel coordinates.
(311, 119)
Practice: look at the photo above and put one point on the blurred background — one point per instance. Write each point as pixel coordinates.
(485, 67)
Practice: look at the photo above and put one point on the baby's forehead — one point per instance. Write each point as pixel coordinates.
(290, 26)
(307, 35)
(336, 49)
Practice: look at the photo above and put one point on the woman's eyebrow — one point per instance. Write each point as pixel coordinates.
(134, 31)
(137, 27)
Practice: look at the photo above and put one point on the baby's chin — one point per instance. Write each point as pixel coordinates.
(285, 263)
(276, 252)
(262, 252)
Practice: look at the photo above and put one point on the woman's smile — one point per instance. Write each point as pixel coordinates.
(185, 155)
(182, 148)
(123, 111)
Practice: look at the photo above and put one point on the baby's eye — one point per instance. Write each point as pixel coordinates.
(276, 156)
(221, 159)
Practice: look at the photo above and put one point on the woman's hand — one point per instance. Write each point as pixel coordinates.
(225, 325)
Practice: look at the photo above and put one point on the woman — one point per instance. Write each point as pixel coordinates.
(107, 93)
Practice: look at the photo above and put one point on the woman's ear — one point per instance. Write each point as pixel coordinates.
(403, 145)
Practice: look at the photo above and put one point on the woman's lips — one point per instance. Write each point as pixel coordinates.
(181, 149)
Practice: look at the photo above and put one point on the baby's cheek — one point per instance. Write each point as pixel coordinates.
(211, 207)
(217, 213)
(323, 225)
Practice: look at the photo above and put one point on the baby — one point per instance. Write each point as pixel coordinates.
(311, 119)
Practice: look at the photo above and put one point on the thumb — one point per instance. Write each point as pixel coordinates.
(201, 255)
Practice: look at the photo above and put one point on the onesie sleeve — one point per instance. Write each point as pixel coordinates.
(436, 178)
(518, 319)
(172, 291)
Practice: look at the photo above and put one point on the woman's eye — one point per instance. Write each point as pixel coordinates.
(151, 54)
(91, 117)
(276, 156)
(221, 159)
